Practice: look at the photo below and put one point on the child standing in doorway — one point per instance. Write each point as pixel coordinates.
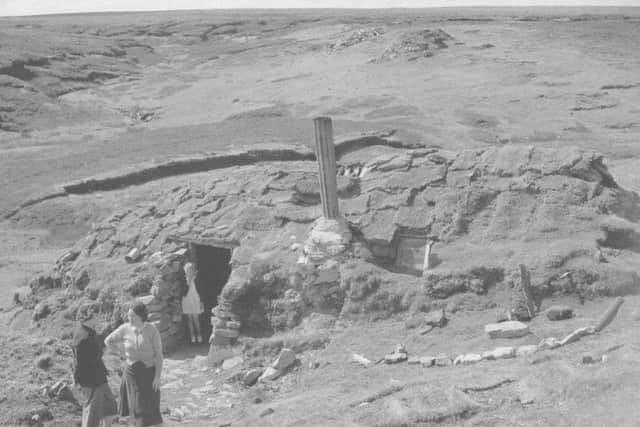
(191, 304)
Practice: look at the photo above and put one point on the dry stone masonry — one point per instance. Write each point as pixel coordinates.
(488, 209)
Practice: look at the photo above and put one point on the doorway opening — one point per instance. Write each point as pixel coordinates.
(213, 266)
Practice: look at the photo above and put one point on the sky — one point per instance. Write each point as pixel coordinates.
(35, 7)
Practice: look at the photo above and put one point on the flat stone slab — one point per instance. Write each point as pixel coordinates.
(510, 329)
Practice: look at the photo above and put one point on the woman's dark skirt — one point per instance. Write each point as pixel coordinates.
(137, 396)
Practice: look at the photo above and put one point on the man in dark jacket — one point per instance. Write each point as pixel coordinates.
(90, 374)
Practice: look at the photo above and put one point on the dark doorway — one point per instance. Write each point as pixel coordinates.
(213, 271)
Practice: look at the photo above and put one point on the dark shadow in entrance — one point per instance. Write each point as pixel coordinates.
(213, 271)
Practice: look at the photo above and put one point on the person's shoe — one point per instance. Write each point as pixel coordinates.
(199, 339)
(193, 340)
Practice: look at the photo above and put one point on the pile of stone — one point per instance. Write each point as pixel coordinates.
(399, 355)
(226, 327)
(164, 300)
(285, 360)
(355, 38)
(418, 44)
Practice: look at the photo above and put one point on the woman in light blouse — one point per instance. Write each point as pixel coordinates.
(140, 388)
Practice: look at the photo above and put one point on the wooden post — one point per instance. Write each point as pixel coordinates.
(326, 155)
(426, 265)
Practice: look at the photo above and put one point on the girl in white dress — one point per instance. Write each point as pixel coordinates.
(191, 304)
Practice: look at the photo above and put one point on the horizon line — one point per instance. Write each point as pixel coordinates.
(278, 8)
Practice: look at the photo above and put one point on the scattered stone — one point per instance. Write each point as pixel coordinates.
(328, 272)
(41, 311)
(227, 333)
(588, 359)
(215, 357)
(251, 376)
(549, 344)
(432, 319)
(133, 255)
(400, 348)
(559, 312)
(269, 374)
(577, 334)
(361, 360)
(442, 360)
(427, 361)
(21, 294)
(399, 355)
(395, 358)
(266, 412)
(510, 329)
(467, 359)
(44, 361)
(232, 362)
(499, 353)
(218, 340)
(286, 358)
(232, 324)
(525, 350)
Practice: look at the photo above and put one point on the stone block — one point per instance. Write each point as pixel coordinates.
(218, 355)
(232, 362)
(549, 344)
(467, 359)
(217, 340)
(251, 376)
(510, 329)
(328, 272)
(413, 360)
(146, 300)
(525, 350)
(229, 333)
(442, 360)
(559, 312)
(427, 361)
(395, 357)
(286, 358)
(499, 353)
(270, 374)
(232, 324)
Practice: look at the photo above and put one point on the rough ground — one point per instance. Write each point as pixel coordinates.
(102, 94)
